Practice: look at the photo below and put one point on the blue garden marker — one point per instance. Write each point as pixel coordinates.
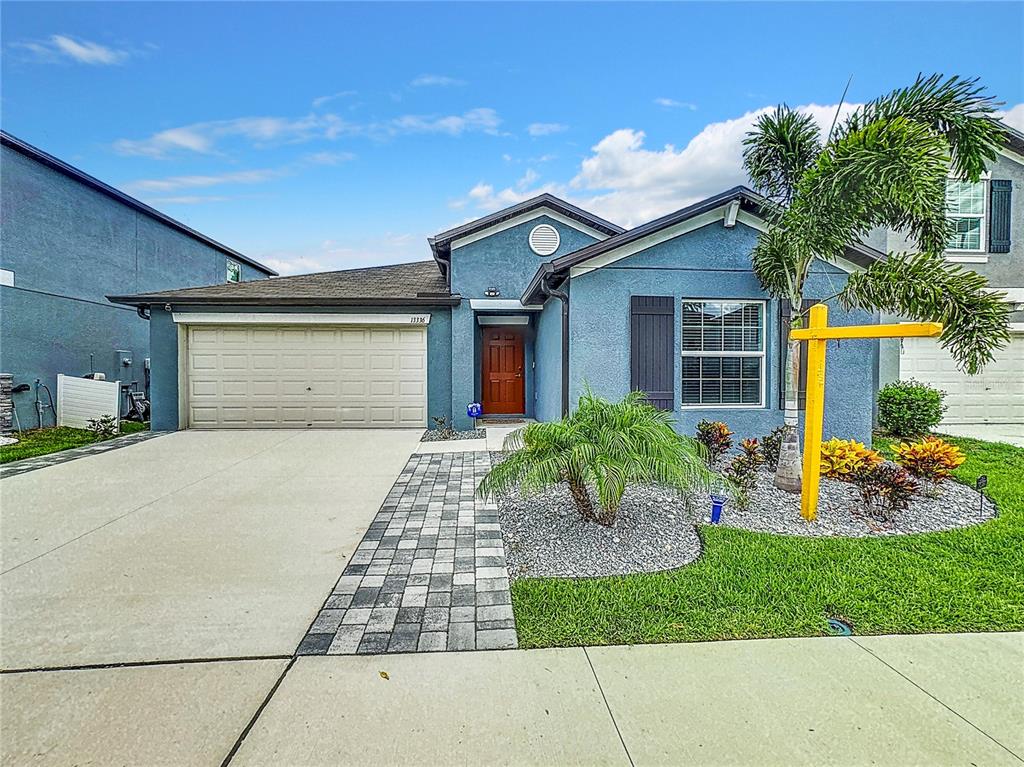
(473, 410)
(717, 503)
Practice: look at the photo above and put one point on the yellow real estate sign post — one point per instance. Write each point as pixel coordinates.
(817, 334)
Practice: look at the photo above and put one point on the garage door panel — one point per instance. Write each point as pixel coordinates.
(297, 377)
(994, 396)
(412, 388)
(324, 362)
(235, 389)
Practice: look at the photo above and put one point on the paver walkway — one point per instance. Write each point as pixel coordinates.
(429, 574)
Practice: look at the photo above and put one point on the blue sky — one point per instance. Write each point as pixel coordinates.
(325, 136)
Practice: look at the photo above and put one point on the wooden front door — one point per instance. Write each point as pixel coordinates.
(504, 388)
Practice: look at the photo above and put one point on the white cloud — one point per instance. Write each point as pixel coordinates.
(545, 129)
(65, 47)
(482, 119)
(328, 158)
(319, 101)
(203, 137)
(173, 183)
(673, 104)
(188, 199)
(427, 81)
(1014, 117)
(208, 137)
(629, 183)
(256, 176)
(390, 248)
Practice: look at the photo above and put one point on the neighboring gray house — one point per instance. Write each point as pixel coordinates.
(68, 240)
(989, 221)
(517, 311)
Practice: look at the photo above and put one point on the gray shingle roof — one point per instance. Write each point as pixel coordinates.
(419, 282)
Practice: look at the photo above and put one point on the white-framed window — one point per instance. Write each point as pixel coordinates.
(966, 204)
(234, 271)
(723, 353)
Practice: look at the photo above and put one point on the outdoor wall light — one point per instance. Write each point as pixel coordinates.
(492, 292)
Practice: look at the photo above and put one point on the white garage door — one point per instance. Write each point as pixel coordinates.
(995, 396)
(299, 376)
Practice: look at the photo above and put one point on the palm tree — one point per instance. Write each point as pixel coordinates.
(605, 445)
(883, 166)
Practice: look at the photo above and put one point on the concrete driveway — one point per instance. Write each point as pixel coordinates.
(195, 545)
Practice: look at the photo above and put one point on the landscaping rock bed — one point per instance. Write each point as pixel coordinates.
(544, 535)
(433, 435)
(840, 511)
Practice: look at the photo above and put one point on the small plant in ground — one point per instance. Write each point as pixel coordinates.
(605, 445)
(771, 444)
(885, 488)
(444, 429)
(103, 427)
(909, 408)
(742, 470)
(716, 438)
(932, 459)
(842, 458)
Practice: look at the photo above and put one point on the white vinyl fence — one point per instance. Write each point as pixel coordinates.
(81, 399)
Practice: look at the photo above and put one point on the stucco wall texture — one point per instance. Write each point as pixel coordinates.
(504, 261)
(712, 263)
(69, 247)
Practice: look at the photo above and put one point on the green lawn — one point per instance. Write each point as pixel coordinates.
(52, 440)
(749, 585)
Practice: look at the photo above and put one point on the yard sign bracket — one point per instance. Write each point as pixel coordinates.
(817, 334)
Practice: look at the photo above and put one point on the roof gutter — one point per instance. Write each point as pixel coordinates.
(149, 300)
(443, 257)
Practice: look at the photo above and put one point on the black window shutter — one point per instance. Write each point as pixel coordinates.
(999, 218)
(652, 353)
(785, 318)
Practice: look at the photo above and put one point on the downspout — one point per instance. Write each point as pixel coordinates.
(562, 296)
(444, 260)
(142, 311)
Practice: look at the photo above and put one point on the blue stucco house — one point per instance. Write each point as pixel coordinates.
(517, 311)
(68, 240)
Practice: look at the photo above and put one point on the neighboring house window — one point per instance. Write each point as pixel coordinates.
(723, 353)
(234, 271)
(965, 210)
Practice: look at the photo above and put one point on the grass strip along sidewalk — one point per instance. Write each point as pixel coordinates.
(36, 442)
(751, 585)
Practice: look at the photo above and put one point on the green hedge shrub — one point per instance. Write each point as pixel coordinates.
(909, 408)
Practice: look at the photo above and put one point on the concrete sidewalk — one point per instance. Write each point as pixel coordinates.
(933, 699)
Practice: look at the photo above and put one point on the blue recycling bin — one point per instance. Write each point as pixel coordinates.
(717, 504)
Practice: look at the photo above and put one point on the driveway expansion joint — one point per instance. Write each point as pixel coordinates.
(936, 699)
(429, 574)
(608, 707)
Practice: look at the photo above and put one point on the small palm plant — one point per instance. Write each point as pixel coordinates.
(604, 445)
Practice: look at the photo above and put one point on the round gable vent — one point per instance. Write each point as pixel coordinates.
(544, 239)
